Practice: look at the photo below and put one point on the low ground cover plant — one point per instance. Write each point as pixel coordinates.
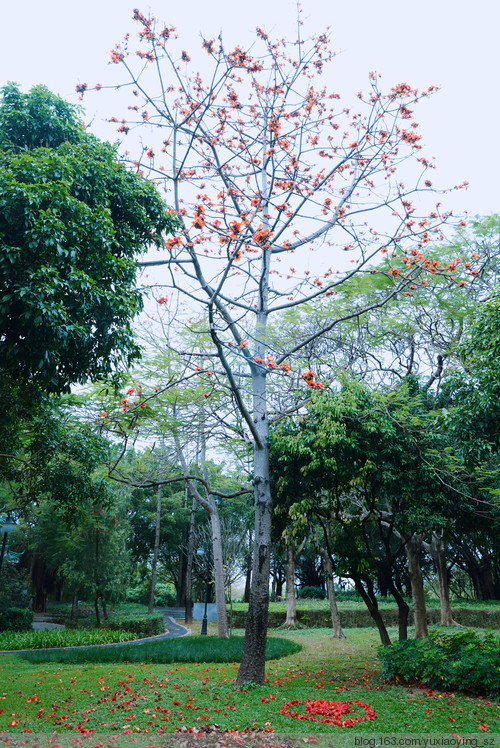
(324, 681)
(191, 649)
(14, 640)
(462, 659)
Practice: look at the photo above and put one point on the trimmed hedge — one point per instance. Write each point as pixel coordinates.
(143, 626)
(16, 619)
(462, 660)
(311, 593)
(480, 618)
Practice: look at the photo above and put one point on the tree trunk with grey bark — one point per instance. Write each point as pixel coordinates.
(252, 668)
(220, 589)
(413, 548)
(155, 553)
(189, 565)
(365, 588)
(291, 599)
(332, 598)
(437, 549)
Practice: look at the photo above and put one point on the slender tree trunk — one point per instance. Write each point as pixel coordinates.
(403, 612)
(279, 584)
(155, 553)
(97, 578)
(104, 608)
(273, 579)
(332, 598)
(220, 590)
(208, 503)
(74, 605)
(291, 600)
(437, 550)
(369, 597)
(189, 565)
(413, 547)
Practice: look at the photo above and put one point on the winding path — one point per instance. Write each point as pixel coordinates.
(173, 631)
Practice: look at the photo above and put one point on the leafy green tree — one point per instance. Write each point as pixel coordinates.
(86, 550)
(374, 469)
(474, 388)
(54, 455)
(72, 223)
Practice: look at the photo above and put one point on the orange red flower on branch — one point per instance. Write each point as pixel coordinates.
(309, 378)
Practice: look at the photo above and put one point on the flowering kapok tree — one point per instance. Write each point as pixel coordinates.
(276, 183)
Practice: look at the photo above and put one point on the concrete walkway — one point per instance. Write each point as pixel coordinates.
(43, 622)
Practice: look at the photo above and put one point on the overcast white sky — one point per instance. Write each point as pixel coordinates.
(450, 43)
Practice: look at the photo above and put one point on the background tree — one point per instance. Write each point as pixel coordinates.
(72, 222)
(378, 466)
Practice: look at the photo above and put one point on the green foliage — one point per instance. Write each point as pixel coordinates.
(452, 660)
(62, 638)
(38, 119)
(164, 594)
(364, 461)
(315, 593)
(72, 221)
(474, 390)
(141, 626)
(12, 592)
(192, 649)
(351, 595)
(15, 619)
(12, 587)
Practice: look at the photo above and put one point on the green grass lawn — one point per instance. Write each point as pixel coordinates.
(149, 700)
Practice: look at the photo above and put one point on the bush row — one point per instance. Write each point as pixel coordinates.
(145, 625)
(142, 625)
(449, 660)
(361, 618)
(16, 619)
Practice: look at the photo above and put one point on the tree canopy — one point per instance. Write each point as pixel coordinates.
(72, 222)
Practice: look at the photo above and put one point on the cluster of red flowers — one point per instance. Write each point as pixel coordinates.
(330, 712)
(309, 379)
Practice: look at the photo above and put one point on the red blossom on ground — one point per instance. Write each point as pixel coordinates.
(330, 712)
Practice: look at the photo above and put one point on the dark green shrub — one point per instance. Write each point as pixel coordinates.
(464, 660)
(16, 619)
(143, 626)
(348, 595)
(311, 593)
(12, 588)
(165, 596)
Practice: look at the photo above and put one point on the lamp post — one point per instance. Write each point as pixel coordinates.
(7, 527)
(204, 623)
